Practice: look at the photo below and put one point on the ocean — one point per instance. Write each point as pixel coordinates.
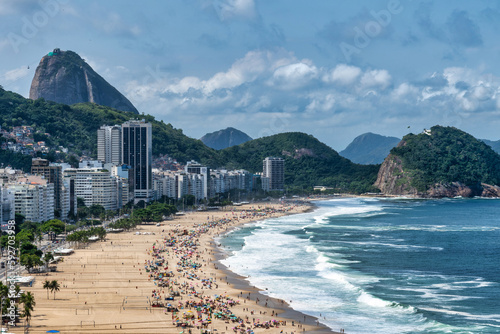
(374, 265)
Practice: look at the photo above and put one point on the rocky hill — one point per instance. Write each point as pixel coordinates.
(369, 148)
(64, 77)
(308, 162)
(75, 127)
(222, 139)
(441, 162)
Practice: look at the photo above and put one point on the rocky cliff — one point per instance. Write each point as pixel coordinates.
(64, 77)
(441, 162)
(392, 179)
(225, 138)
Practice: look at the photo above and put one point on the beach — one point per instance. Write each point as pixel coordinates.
(126, 283)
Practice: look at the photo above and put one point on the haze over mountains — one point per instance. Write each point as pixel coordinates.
(64, 77)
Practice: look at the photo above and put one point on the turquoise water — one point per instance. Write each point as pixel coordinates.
(381, 265)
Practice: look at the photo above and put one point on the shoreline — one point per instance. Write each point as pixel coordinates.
(239, 282)
(104, 289)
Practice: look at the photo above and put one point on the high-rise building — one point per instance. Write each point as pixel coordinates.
(6, 204)
(33, 198)
(54, 175)
(192, 167)
(137, 152)
(273, 174)
(109, 144)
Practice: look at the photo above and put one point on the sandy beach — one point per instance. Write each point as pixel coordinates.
(126, 283)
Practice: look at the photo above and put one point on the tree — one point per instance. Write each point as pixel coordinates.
(28, 301)
(55, 286)
(30, 261)
(80, 202)
(189, 200)
(96, 210)
(53, 225)
(19, 219)
(47, 286)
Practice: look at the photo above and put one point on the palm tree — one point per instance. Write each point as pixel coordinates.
(28, 300)
(47, 286)
(55, 286)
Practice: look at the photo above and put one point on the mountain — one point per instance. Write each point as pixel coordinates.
(75, 127)
(64, 77)
(369, 148)
(308, 162)
(221, 139)
(495, 145)
(440, 162)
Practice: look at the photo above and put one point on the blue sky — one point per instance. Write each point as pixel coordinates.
(331, 68)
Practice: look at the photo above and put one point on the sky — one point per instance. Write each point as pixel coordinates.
(331, 68)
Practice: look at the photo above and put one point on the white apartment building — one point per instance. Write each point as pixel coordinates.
(96, 186)
(109, 144)
(194, 168)
(33, 198)
(165, 184)
(222, 181)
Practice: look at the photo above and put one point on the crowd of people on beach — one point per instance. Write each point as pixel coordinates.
(176, 269)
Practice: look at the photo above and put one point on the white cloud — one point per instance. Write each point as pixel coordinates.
(376, 78)
(244, 70)
(253, 66)
(16, 74)
(268, 82)
(343, 74)
(404, 91)
(294, 75)
(322, 104)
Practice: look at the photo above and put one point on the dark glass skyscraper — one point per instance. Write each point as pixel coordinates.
(137, 152)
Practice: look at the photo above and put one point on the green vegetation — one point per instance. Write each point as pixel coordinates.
(28, 301)
(75, 127)
(448, 155)
(84, 235)
(15, 160)
(54, 287)
(46, 286)
(155, 212)
(308, 162)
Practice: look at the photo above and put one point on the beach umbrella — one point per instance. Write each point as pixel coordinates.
(52, 331)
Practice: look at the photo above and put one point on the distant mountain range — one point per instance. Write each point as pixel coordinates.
(222, 139)
(495, 145)
(369, 148)
(64, 77)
